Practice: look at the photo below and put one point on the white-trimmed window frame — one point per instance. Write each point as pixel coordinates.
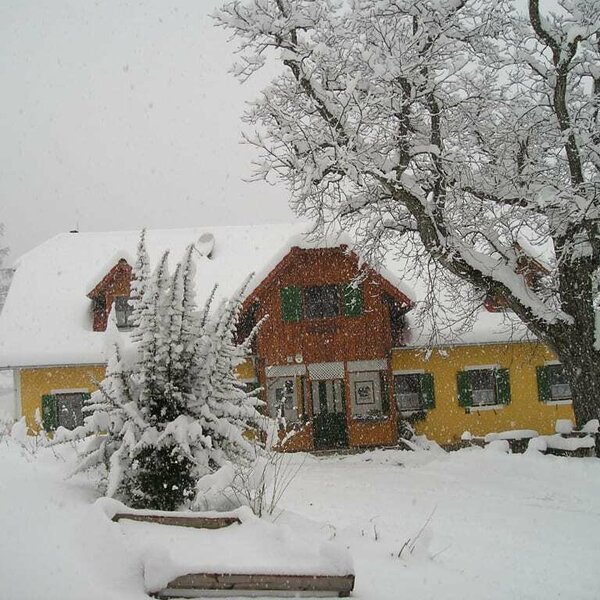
(561, 402)
(406, 372)
(484, 407)
(64, 391)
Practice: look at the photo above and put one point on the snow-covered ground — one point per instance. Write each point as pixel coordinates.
(480, 524)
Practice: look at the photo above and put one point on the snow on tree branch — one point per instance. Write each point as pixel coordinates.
(472, 123)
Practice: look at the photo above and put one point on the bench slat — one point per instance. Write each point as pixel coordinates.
(339, 585)
(197, 522)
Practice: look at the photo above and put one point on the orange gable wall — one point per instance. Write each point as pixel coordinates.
(116, 283)
(323, 340)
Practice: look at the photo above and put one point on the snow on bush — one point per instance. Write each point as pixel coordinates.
(591, 426)
(564, 426)
(511, 434)
(557, 442)
(537, 444)
(170, 410)
(498, 446)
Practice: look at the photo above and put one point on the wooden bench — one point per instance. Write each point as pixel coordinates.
(196, 585)
(198, 522)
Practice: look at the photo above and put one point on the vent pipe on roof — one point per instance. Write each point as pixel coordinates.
(206, 244)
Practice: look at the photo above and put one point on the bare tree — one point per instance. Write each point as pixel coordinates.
(466, 129)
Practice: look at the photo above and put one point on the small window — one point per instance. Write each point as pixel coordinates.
(321, 301)
(408, 392)
(560, 388)
(283, 399)
(123, 311)
(99, 304)
(63, 410)
(483, 387)
(553, 384)
(369, 395)
(413, 391)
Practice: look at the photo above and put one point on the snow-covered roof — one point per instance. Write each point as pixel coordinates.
(47, 316)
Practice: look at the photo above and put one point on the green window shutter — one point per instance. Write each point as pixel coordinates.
(503, 386)
(427, 390)
(291, 303)
(49, 413)
(465, 394)
(543, 381)
(353, 300)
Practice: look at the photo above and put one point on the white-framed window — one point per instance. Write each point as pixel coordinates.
(123, 311)
(368, 391)
(414, 391)
(63, 408)
(283, 395)
(483, 386)
(553, 383)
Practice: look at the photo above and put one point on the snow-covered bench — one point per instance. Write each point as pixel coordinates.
(178, 520)
(232, 554)
(197, 584)
(567, 441)
(517, 439)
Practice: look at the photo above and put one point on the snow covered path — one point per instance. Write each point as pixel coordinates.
(500, 527)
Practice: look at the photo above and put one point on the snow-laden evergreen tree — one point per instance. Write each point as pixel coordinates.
(464, 133)
(170, 409)
(220, 403)
(139, 277)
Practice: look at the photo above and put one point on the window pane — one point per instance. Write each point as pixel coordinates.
(407, 390)
(366, 394)
(560, 389)
(122, 311)
(282, 399)
(321, 301)
(483, 384)
(69, 410)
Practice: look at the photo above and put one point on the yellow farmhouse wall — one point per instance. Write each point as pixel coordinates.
(444, 424)
(36, 382)
(447, 421)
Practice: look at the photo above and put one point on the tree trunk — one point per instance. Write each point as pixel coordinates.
(583, 369)
(575, 343)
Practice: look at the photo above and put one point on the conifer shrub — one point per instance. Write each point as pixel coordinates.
(161, 478)
(170, 410)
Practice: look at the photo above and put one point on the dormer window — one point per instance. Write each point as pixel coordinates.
(112, 290)
(98, 304)
(123, 311)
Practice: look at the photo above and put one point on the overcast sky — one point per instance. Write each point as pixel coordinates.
(121, 114)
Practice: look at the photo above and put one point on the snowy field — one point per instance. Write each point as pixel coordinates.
(471, 524)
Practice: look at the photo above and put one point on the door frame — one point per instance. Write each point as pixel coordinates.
(329, 419)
